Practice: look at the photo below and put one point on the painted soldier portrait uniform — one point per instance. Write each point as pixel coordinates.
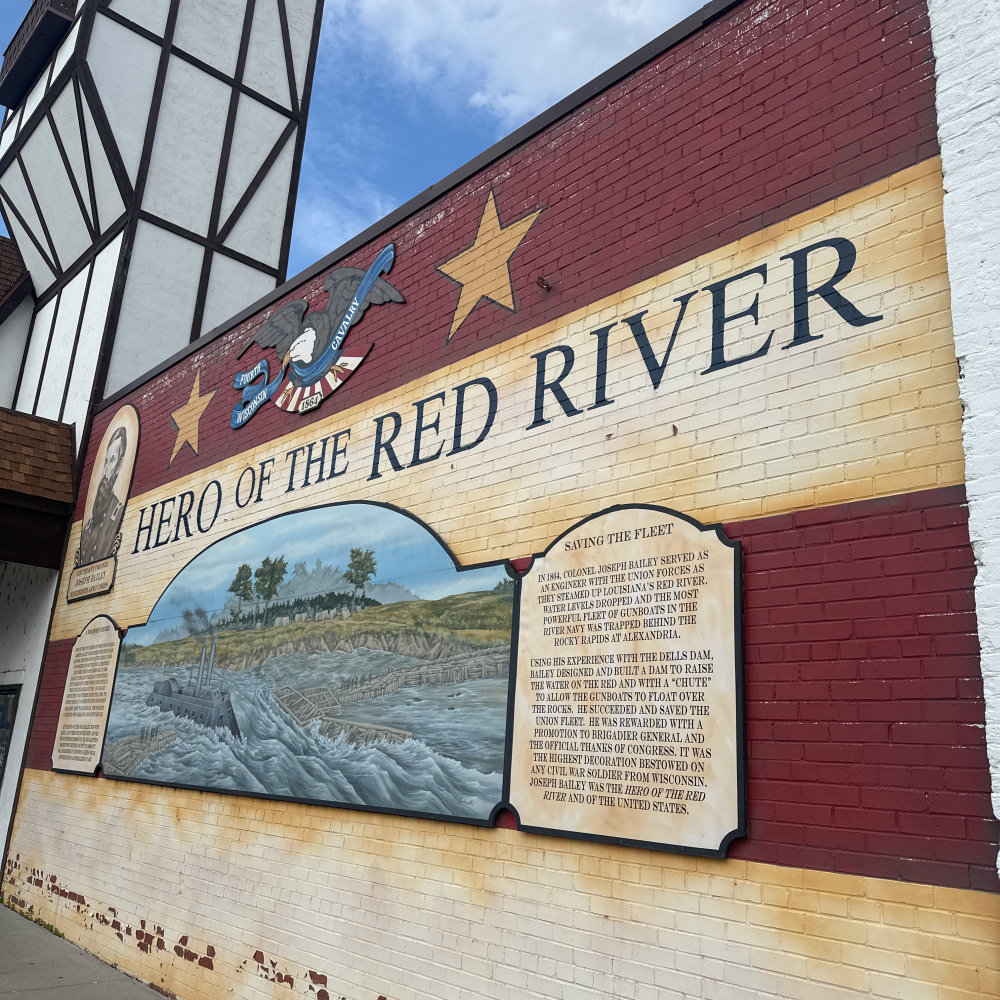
(100, 532)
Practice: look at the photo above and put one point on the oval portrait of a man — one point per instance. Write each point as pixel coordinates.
(110, 481)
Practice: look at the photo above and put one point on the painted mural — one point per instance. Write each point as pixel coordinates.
(334, 655)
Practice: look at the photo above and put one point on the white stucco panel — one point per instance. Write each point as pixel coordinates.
(57, 364)
(150, 14)
(15, 190)
(258, 233)
(158, 305)
(38, 340)
(301, 15)
(110, 204)
(41, 273)
(184, 166)
(257, 130)
(68, 128)
(35, 95)
(9, 129)
(210, 30)
(81, 382)
(13, 337)
(232, 286)
(266, 70)
(59, 206)
(65, 50)
(124, 68)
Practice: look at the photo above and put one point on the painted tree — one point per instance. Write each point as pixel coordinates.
(360, 570)
(268, 577)
(242, 585)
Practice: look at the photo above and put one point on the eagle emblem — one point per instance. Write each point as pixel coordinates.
(310, 345)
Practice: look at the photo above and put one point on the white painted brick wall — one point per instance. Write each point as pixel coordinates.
(965, 35)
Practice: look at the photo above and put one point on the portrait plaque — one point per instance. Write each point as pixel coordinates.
(87, 697)
(628, 706)
(96, 559)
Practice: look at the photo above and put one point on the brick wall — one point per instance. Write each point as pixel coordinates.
(866, 750)
(839, 467)
(299, 901)
(865, 744)
(860, 412)
(968, 88)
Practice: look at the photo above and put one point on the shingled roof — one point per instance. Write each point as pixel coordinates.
(15, 281)
(36, 488)
(36, 457)
(11, 266)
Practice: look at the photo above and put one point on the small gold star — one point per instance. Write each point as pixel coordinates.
(187, 418)
(483, 270)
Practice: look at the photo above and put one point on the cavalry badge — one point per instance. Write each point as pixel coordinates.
(313, 363)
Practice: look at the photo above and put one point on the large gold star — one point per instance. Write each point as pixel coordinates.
(187, 418)
(483, 270)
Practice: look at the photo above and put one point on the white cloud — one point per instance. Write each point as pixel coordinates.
(512, 58)
(325, 218)
(408, 90)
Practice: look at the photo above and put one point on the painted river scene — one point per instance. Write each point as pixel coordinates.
(333, 655)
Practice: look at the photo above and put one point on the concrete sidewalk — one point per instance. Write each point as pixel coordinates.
(35, 964)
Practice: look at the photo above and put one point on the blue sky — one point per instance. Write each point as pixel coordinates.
(429, 85)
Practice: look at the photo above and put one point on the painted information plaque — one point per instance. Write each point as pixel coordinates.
(628, 709)
(84, 712)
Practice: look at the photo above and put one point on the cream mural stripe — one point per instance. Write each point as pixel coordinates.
(845, 412)
(293, 881)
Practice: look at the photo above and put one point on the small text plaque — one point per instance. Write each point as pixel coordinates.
(87, 697)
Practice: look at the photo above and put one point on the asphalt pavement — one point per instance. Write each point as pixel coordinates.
(35, 964)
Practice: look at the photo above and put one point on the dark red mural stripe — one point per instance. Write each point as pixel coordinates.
(713, 140)
(865, 713)
(42, 738)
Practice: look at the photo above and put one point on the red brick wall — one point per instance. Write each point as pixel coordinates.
(865, 711)
(42, 738)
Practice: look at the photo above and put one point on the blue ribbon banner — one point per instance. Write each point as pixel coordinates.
(254, 396)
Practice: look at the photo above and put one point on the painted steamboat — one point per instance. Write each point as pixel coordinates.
(198, 700)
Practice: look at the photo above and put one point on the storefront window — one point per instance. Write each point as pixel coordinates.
(8, 709)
